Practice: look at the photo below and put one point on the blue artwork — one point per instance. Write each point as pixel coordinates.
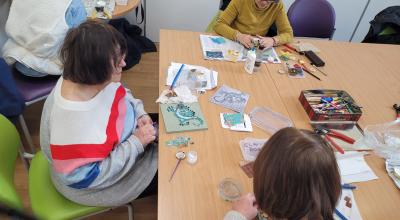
(218, 40)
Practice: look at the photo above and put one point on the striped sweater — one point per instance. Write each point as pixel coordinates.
(83, 134)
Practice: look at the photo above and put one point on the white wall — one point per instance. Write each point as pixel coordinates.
(193, 15)
(375, 6)
(131, 17)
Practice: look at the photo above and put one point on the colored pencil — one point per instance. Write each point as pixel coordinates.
(177, 76)
(348, 186)
(340, 215)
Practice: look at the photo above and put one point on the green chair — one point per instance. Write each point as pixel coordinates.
(48, 203)
(9, 146)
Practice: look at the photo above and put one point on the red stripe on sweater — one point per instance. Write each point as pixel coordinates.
(75, 151)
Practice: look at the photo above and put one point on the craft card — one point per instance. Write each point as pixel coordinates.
(236, 122)
(183, 117)
(250, 148)
(220, 48)
(230, 98)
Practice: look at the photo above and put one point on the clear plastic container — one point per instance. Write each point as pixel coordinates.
(230, 189)
(269, 120)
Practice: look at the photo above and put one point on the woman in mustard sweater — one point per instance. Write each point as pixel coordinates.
(244, 20)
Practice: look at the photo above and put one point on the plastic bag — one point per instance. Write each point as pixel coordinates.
(385, 140)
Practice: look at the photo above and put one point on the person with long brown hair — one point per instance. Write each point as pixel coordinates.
(296, 176)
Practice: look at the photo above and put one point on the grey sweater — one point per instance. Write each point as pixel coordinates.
(124, 175)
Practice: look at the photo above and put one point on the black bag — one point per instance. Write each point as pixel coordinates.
(137, 44)
(11, 102)
(388, 18)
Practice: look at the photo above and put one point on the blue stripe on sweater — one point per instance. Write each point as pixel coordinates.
(89, 177)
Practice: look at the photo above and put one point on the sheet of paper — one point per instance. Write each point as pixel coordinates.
(183, 94)
(214, 47)
(351, 213)
(353, 167)
(211, 76)
(220, 48)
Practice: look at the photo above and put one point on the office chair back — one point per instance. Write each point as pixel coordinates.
(312, 18)
(9, 146)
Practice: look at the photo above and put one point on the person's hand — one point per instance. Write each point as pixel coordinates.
(266, 42)
(246, 205)
(245, 39)
(145, 134)
(144, 120)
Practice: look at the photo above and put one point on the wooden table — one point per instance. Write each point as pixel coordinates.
(369, 73)
(121, 10)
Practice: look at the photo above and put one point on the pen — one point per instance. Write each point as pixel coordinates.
(348, 186)
(177, 76)
(309, 72)
(340, 215)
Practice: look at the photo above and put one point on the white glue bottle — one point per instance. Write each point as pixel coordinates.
(250, 61)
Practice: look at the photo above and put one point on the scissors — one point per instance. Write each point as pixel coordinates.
(329, 134)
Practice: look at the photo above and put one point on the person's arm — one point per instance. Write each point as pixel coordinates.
(118, 163)
(243, 209)
(222, 27)
(45, 127)
(234, 215)
(142, 117)
(285, 31)
(136, 103)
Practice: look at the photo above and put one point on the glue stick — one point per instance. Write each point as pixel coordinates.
(250, 61)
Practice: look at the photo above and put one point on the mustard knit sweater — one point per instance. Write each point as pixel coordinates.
(245, 17)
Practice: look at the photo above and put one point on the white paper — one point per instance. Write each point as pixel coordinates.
(183, 94)
(211, 75)
(353, 167)
(208, 44)
(224, 45)
(352, 213)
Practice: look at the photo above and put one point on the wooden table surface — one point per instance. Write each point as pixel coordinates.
(370, 73)
(121, 10)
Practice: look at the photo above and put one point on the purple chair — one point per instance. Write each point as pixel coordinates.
(32, 90)
(312, 18)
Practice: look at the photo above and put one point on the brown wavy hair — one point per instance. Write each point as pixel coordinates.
(91, 51)
(296, 176)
